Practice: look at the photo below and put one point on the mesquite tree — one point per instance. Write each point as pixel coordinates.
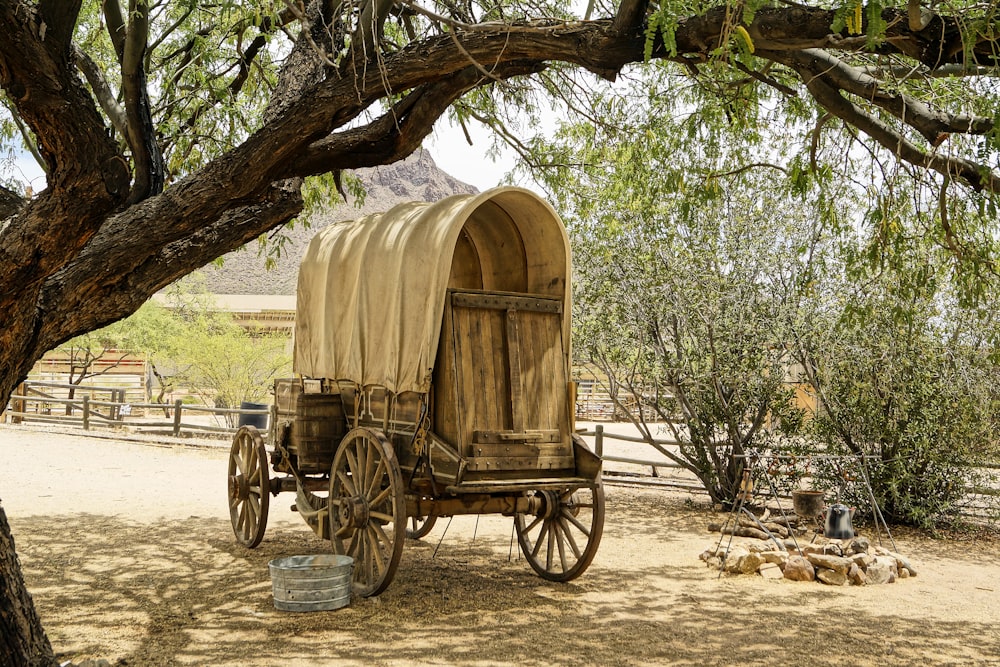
(173, 131)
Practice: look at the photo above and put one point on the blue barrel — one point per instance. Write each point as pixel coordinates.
(260, 421)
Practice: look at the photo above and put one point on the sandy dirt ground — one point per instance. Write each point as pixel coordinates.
(128, 551)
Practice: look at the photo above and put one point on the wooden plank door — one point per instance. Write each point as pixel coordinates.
(511, 381)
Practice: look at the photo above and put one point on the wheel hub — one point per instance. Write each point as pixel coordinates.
(550, 504)
(239, 488)
(354, 512)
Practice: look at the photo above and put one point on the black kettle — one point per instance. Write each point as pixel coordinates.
(838, 522)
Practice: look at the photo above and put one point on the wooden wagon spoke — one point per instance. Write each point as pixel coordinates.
(548, 545)
(541, 537)
(353, 545)
(380, 533)
(532, 525)
(569, 535)
(381, 517)
(382, 497)
(347, 482)
(366, 555)
(557, 529)
(352, 467)
(576, 522)
(368, 479)
(376, 481)
(376, 551)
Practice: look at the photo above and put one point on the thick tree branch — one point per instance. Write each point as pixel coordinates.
(116, 26)
(630, 17)
(927, 121)
(395, 134)
(143, 270)
(102, 91)
(369, 29)
(953, 167)
(146, 157)
(86, 176)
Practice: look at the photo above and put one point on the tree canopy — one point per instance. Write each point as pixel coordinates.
(171, 132)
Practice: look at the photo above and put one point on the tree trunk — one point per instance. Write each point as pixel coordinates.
(22, 639)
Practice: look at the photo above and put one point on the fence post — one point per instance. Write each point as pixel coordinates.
(177, 418)
(599, 440)
(19, 405)
(86, 412)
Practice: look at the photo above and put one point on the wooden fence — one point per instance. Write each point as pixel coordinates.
(104, 407)
(981, 502)
(39, 402)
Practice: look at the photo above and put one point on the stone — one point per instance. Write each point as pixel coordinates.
(859, 545)
(771, 571)
(903, 563)
(735, 552)
(775, 557)
(862, 560)
(714, 562)
(746, 564)
(833, 549)
(798, 568)
(878, 572)
(890, 562)
(904, 573)
(837, 563)
(831, 577)
(856, 575)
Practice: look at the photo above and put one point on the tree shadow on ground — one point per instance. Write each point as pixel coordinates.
(183, 592)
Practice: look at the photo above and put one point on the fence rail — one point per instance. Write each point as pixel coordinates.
(32, 404)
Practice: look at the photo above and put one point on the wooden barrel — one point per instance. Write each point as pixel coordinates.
(318, 428)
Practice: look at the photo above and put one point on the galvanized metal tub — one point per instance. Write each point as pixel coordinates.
(320, 582)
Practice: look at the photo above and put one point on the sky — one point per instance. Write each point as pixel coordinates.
(469, 164)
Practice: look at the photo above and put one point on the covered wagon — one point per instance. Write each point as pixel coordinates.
(432, 353)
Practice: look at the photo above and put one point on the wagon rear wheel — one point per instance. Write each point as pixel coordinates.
(560, 541)
(368, 509)
(249, 484)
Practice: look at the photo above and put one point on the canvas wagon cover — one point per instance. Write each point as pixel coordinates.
(371, 291)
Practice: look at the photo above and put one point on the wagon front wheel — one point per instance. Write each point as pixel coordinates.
(560, 540)
(420, 526)
(249, 485)
(368, 509)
